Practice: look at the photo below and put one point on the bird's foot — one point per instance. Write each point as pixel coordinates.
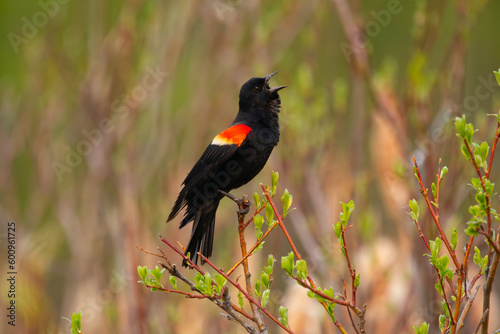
(243, 203)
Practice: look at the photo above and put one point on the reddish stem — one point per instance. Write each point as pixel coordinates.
(244, 293)
(436, 219)
(497, 136)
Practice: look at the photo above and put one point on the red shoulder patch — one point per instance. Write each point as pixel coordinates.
(236, 134)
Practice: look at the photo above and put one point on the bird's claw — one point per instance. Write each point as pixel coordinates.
(243, 203)
(244, 206)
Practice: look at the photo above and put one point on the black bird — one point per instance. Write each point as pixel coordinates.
(235, 156)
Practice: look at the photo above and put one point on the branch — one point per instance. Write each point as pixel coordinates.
(488, 287)
(359, 312)
(486, 195)
(243, 208)
(247, 296)
(466, 309)
(436, 218)
(497, 136)
(233, 312)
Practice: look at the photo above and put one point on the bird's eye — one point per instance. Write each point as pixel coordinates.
(257, 88)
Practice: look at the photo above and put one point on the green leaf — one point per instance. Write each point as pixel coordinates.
(439, 288)
(460, 126)
(329, 292)
(274, 182)
(284, 316)
(143, 273)
(301, 266)
(283, 312)
(497, 76)
(173, 282)
(264, 278)
(434, 190)
(423, 329)
(286, 199)
(442, 322)
(258, 220)
(347, 209)
(76, 323)
(477, 256)
(442, 265)
(484, 264)
(338, 229)
(198, 279)
(469, 132)
(454, 239)
(208, 284)
(414, 209)
(257, 290)
(481, 199)
(240, 299)
(489, 186)
(270, 260)
(444, 171)
(256, 199)
(265, 298)
(484, 150)
(220, 281)
(465, 152)
(472, 229)
(269, 213)
(287, 263)
(356, 281)
(156, 273)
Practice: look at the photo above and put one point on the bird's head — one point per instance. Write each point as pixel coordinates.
(256, 93)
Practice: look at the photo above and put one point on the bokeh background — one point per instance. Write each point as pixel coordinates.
(106, 105)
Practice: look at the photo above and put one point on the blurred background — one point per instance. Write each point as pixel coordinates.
(106, 105)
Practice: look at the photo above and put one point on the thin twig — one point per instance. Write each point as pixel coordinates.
(493, 147)
(311, 284)
(485, 315)
(250, 252)
(352, 271)
(488, 287)
(244, 293)
(490, 240)
(483, 185)
(466, 309)
(435, 218)
(244, 206)
(233, 312)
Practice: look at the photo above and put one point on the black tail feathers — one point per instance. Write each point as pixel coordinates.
(202, 233)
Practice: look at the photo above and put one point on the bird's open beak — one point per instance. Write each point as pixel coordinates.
(270, 76)
(274, 89)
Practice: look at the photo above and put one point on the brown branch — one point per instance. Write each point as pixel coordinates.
(490, 240)
(233, 312)
(186, 294)
(436, 218)
(250, 252)
(466, 309)
(281, 224)
(244, 206)
(497, 136)
(486, 195)
(247, 296)
(352, 271)
(488, 287)
(311, 284)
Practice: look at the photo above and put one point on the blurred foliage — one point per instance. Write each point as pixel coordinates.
(75, 92)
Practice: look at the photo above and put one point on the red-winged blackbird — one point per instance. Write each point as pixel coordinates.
(235, 156)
